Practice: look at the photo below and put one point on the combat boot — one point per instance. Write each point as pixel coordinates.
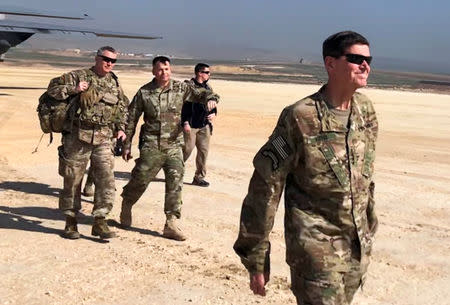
(125, 215)
(88, 190)
(71, 230)
(171, 230)
(100, 228)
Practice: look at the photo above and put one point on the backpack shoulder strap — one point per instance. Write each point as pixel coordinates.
(114, 76)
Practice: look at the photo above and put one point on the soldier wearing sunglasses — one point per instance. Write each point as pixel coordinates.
(321, 153)
(160, 141)
(88, 135)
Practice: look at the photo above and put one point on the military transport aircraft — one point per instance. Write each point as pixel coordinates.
(13, 32)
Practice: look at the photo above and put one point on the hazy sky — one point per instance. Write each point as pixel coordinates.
(409, 30)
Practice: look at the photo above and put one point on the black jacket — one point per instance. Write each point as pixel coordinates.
(195, 113)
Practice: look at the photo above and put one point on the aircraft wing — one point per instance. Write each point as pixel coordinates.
(27, 12)
(32, 27)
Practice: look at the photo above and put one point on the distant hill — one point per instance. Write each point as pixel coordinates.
(246, 70)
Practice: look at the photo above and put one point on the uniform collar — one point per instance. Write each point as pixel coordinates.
(204, 84)
(328, 120)
(154, 85)
(92, 71)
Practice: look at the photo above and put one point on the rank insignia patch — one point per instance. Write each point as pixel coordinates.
(273, 157)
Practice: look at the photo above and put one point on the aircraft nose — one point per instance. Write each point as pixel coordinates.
(4, 46)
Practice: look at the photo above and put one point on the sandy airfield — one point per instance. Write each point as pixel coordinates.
(410, 263)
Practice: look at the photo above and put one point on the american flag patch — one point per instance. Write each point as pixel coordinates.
(281, 147)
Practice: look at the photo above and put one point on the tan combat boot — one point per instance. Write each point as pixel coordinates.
(125, 215)
(171, 230)
(100, 228)
(71, 230)
(88, 190)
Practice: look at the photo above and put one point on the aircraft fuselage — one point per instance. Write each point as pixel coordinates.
(11, 39)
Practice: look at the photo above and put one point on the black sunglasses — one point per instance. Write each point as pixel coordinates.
(107, 59)
(204, 72)
(358, 59)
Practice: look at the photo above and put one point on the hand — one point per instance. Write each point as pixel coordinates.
(187, 128)
(211, 117)
(257, 283)
(121, 135)
(126, 155)
(211, 105)
(82, 86)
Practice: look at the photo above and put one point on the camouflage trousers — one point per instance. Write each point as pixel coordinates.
(90, 176)
(197, 137)
(73, 158)
(147, 167)
(328, 288)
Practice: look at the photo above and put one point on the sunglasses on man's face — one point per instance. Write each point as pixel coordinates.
(107, 59)
(358, 59)
(204, 72)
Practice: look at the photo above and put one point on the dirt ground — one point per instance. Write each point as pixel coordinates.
(410, 263)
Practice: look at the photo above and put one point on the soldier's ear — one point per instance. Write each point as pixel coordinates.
(330, 63)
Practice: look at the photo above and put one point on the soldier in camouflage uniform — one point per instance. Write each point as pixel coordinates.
(321, 153)
(101, 113)
(160, 141)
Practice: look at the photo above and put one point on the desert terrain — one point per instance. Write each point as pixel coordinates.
(411, 258)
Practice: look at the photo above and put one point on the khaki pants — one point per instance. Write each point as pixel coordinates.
(198, 137)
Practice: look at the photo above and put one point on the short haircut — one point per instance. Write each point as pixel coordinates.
(106, 48)
(161, 59)
(336, 44)
(200, 66)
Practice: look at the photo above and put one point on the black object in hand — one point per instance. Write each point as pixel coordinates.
(118, 149)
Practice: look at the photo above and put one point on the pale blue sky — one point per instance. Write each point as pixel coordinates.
(415, 31)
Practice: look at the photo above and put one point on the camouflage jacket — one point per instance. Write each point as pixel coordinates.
(162, 113)
(326, 170)
(102, 108)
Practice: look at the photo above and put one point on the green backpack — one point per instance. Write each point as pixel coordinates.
(53, 113)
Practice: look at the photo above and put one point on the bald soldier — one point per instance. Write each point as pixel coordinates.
(321, 153)
(160, 141)
(87, 135)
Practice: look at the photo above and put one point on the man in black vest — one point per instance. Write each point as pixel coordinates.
(197, 126)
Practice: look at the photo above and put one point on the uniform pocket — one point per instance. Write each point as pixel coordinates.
(64, 168)
(110, 99)
(369, 158)
(86, 135)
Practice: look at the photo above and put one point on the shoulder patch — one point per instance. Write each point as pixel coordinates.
(269, 154)
(281, 147)
(278, 150)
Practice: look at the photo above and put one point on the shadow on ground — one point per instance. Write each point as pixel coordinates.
(16, 219)
(127, 175)
(122, 175)
(30, 187)
(113, 223)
